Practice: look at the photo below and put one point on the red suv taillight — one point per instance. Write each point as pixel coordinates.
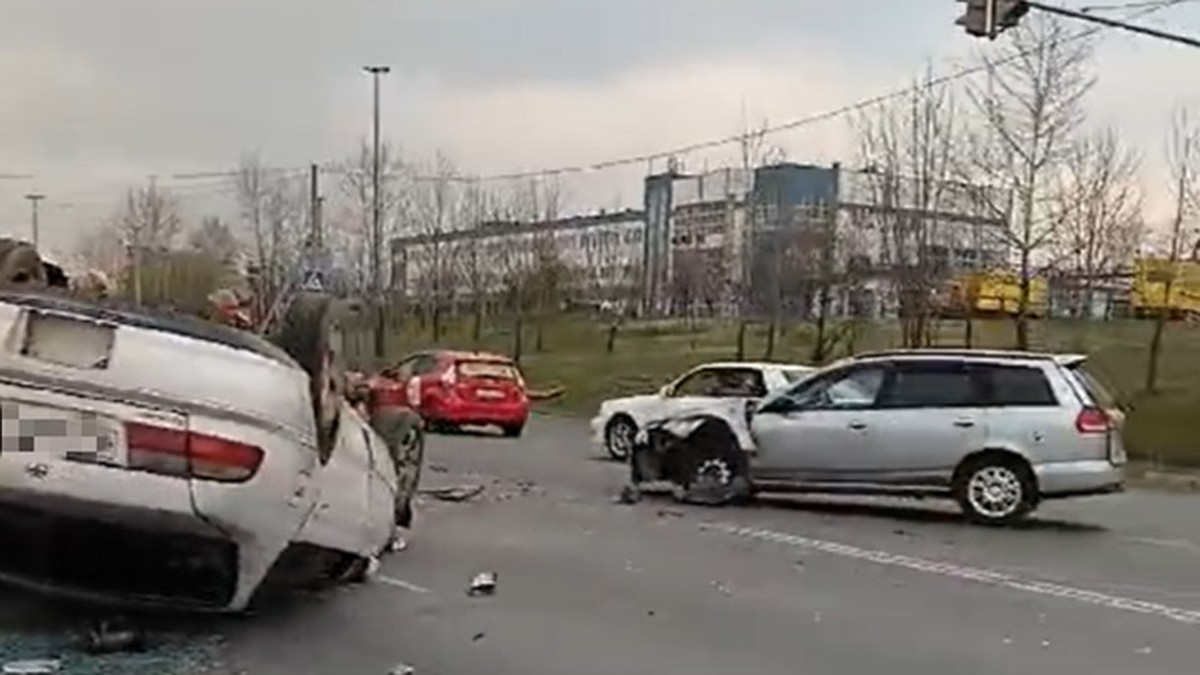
(1093, 421)
(171, 452)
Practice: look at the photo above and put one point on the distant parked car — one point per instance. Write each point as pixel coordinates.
(735, 385)
(451, 389)
(996, 431)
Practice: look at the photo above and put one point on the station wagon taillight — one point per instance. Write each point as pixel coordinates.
(172, 452)
(1093, 421)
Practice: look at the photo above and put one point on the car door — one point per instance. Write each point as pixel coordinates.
(932, 416)
(821, 429)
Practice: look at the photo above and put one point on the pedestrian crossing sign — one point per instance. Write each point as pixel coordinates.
(312, 282)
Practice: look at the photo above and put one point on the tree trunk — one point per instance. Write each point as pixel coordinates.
(477, 328)
(772, 328)
(1160, 325)
(611, 345)
(518, 334)
(741, 340)
(818, 356)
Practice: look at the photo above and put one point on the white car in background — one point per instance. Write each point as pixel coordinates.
(619, 420)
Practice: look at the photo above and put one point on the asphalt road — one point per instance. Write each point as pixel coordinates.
(814, 585)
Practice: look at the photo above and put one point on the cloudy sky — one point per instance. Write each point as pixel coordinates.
(95, 94)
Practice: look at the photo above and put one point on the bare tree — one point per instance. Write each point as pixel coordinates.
(353, 237)
(103, 249)
(1031, 106)
(1099, 212)
(214, 238)
(148, 221)
(1183, 156)
(908, 147)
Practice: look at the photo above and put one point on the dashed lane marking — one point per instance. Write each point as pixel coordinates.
(982, 576)
(400, 583)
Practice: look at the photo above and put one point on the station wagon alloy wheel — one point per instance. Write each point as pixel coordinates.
(714, 473)
(995, 492)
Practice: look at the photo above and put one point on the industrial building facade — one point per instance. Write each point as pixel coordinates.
(729, 241)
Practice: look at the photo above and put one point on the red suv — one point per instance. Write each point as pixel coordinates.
(452, 389)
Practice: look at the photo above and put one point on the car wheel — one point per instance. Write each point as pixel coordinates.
(20, 265)
(995, 489)
(309, 333)
(513, 430)
(619, 436)
(401, 432)
(712, 469)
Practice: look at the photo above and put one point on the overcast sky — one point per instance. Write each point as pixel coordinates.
(97, 93)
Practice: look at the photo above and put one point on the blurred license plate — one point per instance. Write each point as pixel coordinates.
(45, 430)
(489, 394)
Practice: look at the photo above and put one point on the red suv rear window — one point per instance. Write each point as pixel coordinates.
(496, 370)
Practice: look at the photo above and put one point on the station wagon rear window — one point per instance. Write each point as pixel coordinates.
(496, 370)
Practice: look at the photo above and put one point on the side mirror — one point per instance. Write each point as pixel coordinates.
(667, 391)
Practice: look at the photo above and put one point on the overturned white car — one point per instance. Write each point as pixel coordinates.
(151, 459)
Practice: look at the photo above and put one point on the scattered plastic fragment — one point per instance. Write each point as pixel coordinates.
(484, 583)
(630, 494)
(478, 636)
(402, 669)
(32, 667)
(454, 493)
(113, 636)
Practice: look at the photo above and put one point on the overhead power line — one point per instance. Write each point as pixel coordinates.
(1142, 9)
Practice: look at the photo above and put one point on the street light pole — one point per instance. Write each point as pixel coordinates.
(34, 198)
(377, 217)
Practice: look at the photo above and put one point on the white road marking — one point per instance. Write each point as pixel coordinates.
(988, 577)
(1179, 544)
(400, 583)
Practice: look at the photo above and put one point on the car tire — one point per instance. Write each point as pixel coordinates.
(619, 435)
(512, 430)
(401, 432)
(308, 332)
(995, 489)
(20, 265)
(712, 469)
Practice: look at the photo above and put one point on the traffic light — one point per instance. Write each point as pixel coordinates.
(980, 18)
(989, 18)
(1008, 14)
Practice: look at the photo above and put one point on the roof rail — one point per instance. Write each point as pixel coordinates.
(981, 353)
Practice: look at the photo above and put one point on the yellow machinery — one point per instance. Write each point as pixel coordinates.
(991, 294)
(1151, 276)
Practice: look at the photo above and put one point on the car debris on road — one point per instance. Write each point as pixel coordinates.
(454, 493)
(32, 667)
(484, 583)
(110, 637)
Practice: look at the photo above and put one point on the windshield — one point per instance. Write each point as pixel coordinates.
(794, 375)
(495, 370)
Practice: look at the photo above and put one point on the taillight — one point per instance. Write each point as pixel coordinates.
(1093, 421)
(171, 452)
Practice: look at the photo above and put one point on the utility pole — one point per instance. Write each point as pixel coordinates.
(34, 198)
(314, 195)
(377, 217)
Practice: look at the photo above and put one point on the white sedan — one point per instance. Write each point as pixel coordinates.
(619, 420)
(164, 460)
